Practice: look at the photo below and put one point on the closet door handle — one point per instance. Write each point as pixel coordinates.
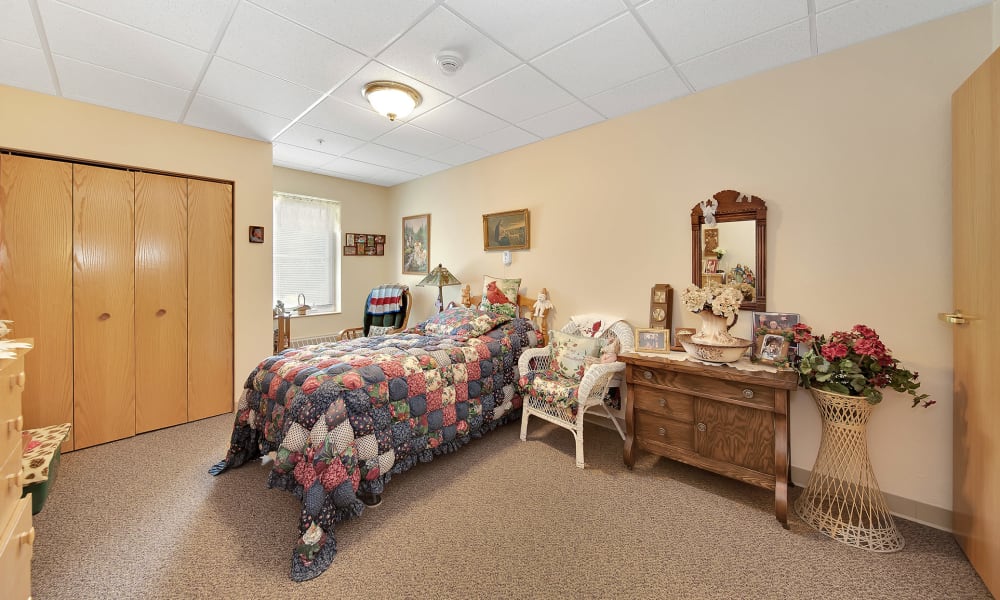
(104, 317)
(161, 312)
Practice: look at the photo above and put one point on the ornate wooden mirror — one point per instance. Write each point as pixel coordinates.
(737, 224)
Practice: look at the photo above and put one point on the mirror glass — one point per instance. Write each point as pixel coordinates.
(732, 249)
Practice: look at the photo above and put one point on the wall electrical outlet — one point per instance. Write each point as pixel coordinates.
(507, 259)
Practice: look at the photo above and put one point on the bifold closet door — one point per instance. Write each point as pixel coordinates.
(160, 301)
(103, 309)
(210, 298)
(36, 280)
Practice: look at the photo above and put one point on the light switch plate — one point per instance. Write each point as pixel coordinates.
(507, 258)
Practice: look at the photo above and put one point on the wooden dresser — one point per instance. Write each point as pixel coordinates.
(16, 533)
(718, 418)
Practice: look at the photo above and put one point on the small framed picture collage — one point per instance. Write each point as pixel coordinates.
(772, 342)
(364, 244)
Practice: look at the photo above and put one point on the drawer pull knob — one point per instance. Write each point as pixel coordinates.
(15, 424)
(16, 479)
(663, 402)
(28, 537)
(663, 431)
(647, 374)
(747, 393)
(702, 427)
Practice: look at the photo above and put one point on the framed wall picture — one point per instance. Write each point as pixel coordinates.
(661, 305)
(711, 265)
(256, 234)
(652, 340)
(507, 230)
(772, 343)
(416, 244)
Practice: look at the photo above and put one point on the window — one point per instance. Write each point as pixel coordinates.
(306, 251)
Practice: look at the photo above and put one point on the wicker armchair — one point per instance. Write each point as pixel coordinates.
(590, 391)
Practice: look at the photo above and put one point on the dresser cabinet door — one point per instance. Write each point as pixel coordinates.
(735, 434)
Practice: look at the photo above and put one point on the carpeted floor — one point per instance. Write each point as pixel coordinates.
(141, 518)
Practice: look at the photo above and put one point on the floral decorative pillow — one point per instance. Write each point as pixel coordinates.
(468, 322)
(570, 353)
(377, 330)
(500, 295)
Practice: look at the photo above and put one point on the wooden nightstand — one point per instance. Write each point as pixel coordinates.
(719, 418)
(16, 533)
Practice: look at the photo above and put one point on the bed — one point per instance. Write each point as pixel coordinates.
(340, 419)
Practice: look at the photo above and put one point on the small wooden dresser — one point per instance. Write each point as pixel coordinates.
(730, 421)
(16, 533)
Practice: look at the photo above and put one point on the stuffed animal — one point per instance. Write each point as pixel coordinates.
(609, 354)
(542, 303)
(466, 296)
(494, 295)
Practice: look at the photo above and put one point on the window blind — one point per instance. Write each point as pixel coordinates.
(305, 246)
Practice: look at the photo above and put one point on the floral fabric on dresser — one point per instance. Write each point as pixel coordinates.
(500, 295)
(570, 352)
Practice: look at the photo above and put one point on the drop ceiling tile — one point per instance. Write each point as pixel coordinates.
(529, 27)
(614, 53)
(217, 115)
(307, 136)
(773, 49)
(18, 24)
(382, 156)
(363, 25)
(83, 36)
(226, 80)
(460, 154)
(24, 67)
(415, 141)
(521, 94)
(503, 140)
(302, 158)
(459, 121)
(414, 53)
(349, 168)
(561, 120)
(390, 177)
(264, 41)
(822, 5)
(191, 22)
(341, 117)
(97, 85)
(690, 28)
(861, 20)
(351, 90)
(661, 86)
(426, 166)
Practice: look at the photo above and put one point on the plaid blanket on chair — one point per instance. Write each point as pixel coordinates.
(386, 299)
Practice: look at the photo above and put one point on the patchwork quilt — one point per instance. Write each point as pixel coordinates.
(340, 419)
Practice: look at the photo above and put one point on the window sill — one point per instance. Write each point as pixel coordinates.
(314, 313)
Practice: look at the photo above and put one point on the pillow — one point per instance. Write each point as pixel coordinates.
(376, 330)
(570, 352)
(469, 322)
(500, 295)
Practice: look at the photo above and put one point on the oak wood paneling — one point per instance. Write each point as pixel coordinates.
(160, 301)
(103, 309)
(210, 298)
(36, 280)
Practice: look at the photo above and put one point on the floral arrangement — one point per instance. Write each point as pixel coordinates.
(723, 300)
(7, 347)
(855, 363)
(719, 253)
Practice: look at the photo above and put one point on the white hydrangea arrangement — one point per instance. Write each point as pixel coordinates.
(7, 347)
(722, 300)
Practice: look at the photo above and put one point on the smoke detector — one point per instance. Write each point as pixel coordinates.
(450, 62)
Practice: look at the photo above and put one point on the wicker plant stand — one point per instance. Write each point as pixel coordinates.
(842, 499)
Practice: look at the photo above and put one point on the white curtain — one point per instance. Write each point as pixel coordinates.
(306, 240)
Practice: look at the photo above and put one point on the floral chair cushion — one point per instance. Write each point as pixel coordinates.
(551, 387)
(500, 295)
(570, 353)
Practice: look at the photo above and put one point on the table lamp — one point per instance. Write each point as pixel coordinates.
(440, 277)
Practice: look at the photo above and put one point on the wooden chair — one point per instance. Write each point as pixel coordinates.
(396, 320)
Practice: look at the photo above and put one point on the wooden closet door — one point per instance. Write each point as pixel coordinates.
(103, 310)
(210, 299)
(160, 301)
(36, 280)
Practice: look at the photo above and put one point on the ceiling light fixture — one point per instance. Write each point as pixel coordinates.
(394, 100)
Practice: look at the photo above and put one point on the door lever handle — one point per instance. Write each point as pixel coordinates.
(957, 317)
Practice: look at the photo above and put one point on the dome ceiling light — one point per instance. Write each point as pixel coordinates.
(394, 100)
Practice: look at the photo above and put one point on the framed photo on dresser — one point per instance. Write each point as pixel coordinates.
(772, 341)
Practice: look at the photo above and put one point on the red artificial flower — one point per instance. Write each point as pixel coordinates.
(802, 333)
(870, 347)
(865, 332)
(831, 351)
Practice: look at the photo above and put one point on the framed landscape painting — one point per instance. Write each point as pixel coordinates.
(506, 230)
(416, 244)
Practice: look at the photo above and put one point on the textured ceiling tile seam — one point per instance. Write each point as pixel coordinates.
(656, 43)
(43, 39)
(742, 41)
(219, 36)
(813, 28)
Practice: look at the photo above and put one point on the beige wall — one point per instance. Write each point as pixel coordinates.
(851, 151)
(996, 24)
(363, 209)
(50, 125)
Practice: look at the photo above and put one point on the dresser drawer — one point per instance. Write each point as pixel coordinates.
(698, 385)
(16, 542)
(661, 430)
(10, 485)
(666, 403)
(11, 421)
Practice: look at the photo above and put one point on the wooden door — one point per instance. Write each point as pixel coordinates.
(975, 222)
(36, 280)
(103, 310)
(160, 301)
(210, 299)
